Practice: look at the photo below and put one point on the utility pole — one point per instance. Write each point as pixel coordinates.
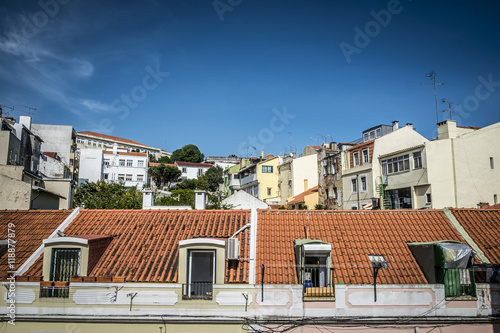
(432, 75)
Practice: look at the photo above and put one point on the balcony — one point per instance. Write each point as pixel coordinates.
(318, 283)
(248, 179)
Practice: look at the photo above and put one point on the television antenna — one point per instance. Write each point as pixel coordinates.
(432, 75)
(2, 113)
(31, 110)
(449, 107)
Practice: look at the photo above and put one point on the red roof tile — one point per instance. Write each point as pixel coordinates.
(153, 164)
(112, 138)
(131, 153)
(202, 165)
(301, 197)
(30, 228)
(145, 245)
(483, 226)
(353, 235)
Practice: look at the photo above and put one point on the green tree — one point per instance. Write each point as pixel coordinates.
(188, 153)
(102, 195)
(211, 180)
(178, 198)
(165, 159)
(186, 184)
(164, 175)
(215, 201)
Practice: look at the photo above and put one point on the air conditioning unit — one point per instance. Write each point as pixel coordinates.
(233, 249)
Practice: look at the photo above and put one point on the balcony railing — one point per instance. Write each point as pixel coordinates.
(318, 282)
(248, 179)
(197, 290)
(54, 292)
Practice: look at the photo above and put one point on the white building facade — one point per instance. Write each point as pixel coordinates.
(192, 170)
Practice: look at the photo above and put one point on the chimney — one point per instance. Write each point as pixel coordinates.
(395, 125)
(148, 198)
(409, 125)
(26, 121)
(447, 129)
(306, 185)
(200, 199)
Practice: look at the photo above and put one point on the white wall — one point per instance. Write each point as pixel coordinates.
(56, 138)
(191, 171)
(90, 165)
(305, 167)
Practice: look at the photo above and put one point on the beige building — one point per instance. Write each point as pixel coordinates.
(285, 179)
(461, 165)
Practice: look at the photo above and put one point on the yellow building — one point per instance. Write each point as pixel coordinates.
(267, 177)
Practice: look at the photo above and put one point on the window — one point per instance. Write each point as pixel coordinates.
(122, 162)
(379, 133)
(140, 178)
(495, 200)
(372, 135)
(128, 177)
(428, 198)
(140, 164)
(366, 157)
(355, 157)
(106, 162)
(269, 190)
(106, 175)
(492, 163)
(417, 160)
(363, 183)
(129, 163)
(365, 137)
(201, 274)
(100, 144)
(94, 143)
(396, 164)
(184, 170)
(267, 169)
(200, 172)
(354, 185)
(89, 142)
(65, 264)
(121, 177)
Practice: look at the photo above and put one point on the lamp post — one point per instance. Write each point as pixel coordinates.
(378, 261)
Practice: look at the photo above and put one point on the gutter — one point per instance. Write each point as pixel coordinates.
(454, 222)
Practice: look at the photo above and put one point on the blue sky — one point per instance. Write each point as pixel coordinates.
(231, 74)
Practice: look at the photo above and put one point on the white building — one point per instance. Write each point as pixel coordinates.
(223, 162)
(92, 140)
(192, 170)
(115, 165)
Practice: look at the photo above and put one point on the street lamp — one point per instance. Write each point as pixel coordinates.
(378, 261)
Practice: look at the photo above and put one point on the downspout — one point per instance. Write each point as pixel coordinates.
(253, 246)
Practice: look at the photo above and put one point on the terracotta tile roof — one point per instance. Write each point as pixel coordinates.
(50, 154)
(483, 226)
(497, 206)
(470, 127)
(153, 164)
(353, 235)
(31, 227)
(315, 147)
(301, 197)
(202, 165)
(131, 153)
(146, 242)
(112, 138)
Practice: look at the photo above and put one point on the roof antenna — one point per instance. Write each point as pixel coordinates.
(2, 113)
(449, 107)
(31, 110)
(432, 75)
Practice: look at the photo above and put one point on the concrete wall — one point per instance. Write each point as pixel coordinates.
(14, 193)
(91, 307)
(56, 138)
(90, 165)
(304, 168)
(62, 187)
